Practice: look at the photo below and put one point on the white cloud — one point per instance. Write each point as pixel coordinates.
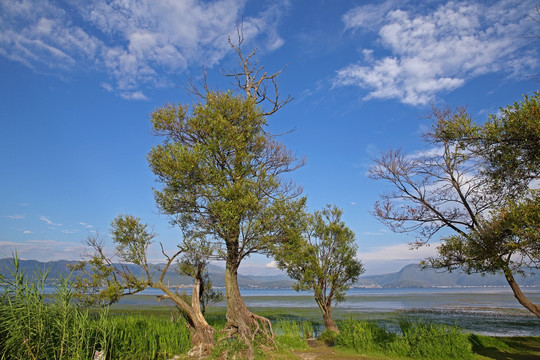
(27, 232)
(367, 16)
(16, 217)
(398, 252)
(439, 51)
(392, 258)
(137, 95)
(42, 250)
(136, 42)
(67, 231)
(48, 221)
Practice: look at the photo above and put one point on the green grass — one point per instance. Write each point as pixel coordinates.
(146, 337)
(507, 348)
(418, 340)
(33, 326)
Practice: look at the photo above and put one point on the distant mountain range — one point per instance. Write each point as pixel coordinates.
(409, 276)
(412, 276)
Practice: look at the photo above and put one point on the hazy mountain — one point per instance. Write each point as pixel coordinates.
(409, 276)
(413, 276)
(59, 268)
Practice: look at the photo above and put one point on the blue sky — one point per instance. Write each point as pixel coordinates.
(79, 80)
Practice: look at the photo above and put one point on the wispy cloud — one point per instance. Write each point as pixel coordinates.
(48, 221)
(398, 252)
(68, 231)
(27, 232)
(439, 51)
(386, 259)
(43, 250)
(16, 217)
(136, 42)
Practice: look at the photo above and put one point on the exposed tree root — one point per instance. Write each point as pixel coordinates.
(246, 332)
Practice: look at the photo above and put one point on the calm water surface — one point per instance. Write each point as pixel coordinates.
(489, 311)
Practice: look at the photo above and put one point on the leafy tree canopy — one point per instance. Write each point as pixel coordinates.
(322, 259)
(479, 181)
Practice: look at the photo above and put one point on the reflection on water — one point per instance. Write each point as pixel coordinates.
(489, 311)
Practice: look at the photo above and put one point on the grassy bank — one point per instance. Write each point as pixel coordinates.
(34, 326)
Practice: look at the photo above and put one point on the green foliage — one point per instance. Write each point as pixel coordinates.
(329, 337)
(322, 258)
(292, 334)
(194, 263)
(131, 238)
(31, 328)
(507, 144)
(478, 184)
(510, 144)
(147, 337)
(418, 340)
(363, 336)
(509, 239)
(427, 340)
(220, 172)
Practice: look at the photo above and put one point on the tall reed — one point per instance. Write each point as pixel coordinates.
(418, 340)
(33, 328)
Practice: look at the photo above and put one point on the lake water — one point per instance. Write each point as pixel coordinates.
(489, 311)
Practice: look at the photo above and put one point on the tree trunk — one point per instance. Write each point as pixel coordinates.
(202, 334)
(519, 295)
(241, 322)
(329, 323)
(238, 315)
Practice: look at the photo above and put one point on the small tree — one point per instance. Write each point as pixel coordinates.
(194, 263)
(476, 182)
(322, 260)
(106, 281)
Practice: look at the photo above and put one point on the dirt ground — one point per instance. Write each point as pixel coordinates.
(320, 351)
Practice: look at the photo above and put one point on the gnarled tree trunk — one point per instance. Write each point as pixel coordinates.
(326, 310)
(241, 322)
(329, 323)
(202, 334)
(519, 295)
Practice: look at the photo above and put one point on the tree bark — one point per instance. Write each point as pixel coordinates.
(519, 295)
(202, 334)
(241, 322)
(329, 323)
(238, 315)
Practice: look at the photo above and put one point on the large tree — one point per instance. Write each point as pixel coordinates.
(322, 259)
(108, 278)
(220, 173)
(476, 181)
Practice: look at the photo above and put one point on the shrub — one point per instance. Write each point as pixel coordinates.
(292, 334)
(418, 340)
(362, 336)
(428, 340)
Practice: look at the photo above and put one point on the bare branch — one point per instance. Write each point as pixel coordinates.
(253, 80)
